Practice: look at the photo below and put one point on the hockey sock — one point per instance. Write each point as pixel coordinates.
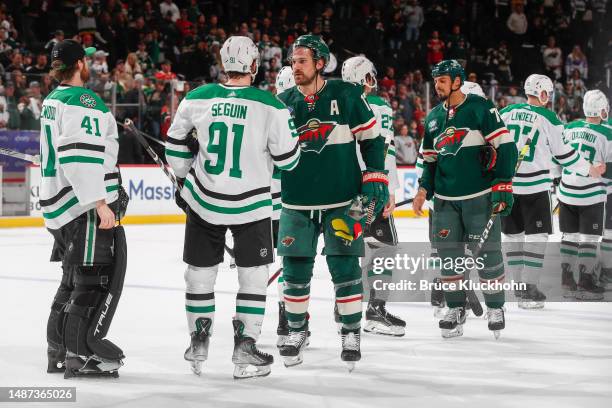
(533, 257)
(587, 255)
(493, 272)
(606, 250)
(514, 244)
(200, 294)
(280, 286)
(297, 272)
(570, 243)
(251, 298)
(346, 275)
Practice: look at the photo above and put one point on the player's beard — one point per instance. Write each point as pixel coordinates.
(304, 79)
(442, 97)
(84, 74)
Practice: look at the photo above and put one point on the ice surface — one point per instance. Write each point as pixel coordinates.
(557, 357)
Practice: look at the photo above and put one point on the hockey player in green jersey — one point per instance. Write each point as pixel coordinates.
(527, 227)
(330, 116)
(361, 71)
(469, 164)
(242, 133)
(582, 199)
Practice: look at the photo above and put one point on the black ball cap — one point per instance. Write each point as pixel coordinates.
(69, 52)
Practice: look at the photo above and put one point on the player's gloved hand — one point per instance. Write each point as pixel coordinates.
(488, 158)
(501, 197)
(177, 195)
(375, 187)
(192, 142)
(556, 181)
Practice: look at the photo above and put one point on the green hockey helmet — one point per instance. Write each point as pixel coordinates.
(316, 44)
(448, 67)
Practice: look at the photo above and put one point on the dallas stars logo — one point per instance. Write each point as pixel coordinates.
(451, 141)
(88, 101)
(314, 134)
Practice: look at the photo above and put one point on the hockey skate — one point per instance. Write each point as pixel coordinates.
(283, 326)
(337, 319)
(532, 298)
(452, 323)
(55, 359)
(519, 293)
(351, 351)
(246, 355)
(605, 277)
(568, 283)
(90, 366)
(437, 301)
(497, 321)
(587, 289)
(379, 321)
(292, 350)
(197, 352)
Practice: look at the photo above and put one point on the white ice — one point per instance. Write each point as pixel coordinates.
(557, 357)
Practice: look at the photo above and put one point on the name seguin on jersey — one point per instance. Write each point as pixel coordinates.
(314, 135)
(451, 141)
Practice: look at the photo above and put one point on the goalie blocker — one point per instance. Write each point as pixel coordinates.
(94, 263)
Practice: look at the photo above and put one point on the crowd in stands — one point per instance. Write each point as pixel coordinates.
(152, 52)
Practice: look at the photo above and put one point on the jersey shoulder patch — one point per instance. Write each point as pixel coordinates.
(78, 96)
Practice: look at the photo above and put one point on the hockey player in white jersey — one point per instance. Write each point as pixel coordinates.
(242, 133)
(381, 233)
(582, 199)
(605, 247)
(284, 81)
(81, 199)
(527, 228)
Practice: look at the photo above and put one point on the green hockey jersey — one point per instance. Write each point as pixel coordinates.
(452, 148)
(328, 174)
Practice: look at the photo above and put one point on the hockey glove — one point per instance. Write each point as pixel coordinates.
(501, 197)
(177, 195)
(375, 188)
(488, 158)
(192, 142)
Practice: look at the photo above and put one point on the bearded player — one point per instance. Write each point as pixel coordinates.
(331, 117)
(469, 163)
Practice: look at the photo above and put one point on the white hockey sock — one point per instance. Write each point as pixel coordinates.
(200, 294)
(514, 245)
(533, 257)
(588, 252)
(605, 248)
(251, 298)
(570, 244)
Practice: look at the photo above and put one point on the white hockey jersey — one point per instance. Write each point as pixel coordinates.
(594, 142)
(242, 132)
(78, 154)
(535, 173)
(277, 204)
(384, 127)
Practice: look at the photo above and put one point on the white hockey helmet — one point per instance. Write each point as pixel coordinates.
(595, 104)
(238, 54)
(284, 79)
(356, 70)
(469, 87)
(535, 84)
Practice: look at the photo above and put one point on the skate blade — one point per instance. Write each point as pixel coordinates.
(241, 371)
(530, 305)
(383, 330)
(496, 334)
(584, 295)
(196, 367)
(291, 361)
(450, 333)
(69, 373)
(350, 365)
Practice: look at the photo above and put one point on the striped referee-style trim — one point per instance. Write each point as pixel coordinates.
(532, 179)
(250, 303)
(87, 153)
(228, 197)
(585, 191)
(200, 302)
(567, 159)
(224, 209)
(178, 148)
(288, 161)
(57, 205)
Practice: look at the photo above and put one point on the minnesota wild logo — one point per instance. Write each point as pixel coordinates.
(314, 134)
(451, 141)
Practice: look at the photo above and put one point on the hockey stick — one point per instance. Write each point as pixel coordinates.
(404, 202)
(471, 296)
(18, 155)
(151, 138)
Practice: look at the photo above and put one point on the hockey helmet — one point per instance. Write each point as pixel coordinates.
(238, 54)
(284, 79)
(356, 70)
(469, 87)
(596, 104)
(449, 67)
(535, 84)
(316, 44)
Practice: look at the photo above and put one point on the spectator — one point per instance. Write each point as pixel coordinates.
(27, 120)
(396, 31)
(577, 84)
(144, 60)
(132, 65)
(166, 73)
(389, 79)
(86, 16)
(58, 36)
(14, 121)
(517, 21)
(513, 97)
(168, 7)
(577, 60)
(502, 102)
(418, 116)
(498, 60)
(562, 109)
(406, 146)
(99, 64)
(35, 72)
(405, 104)
(435, 49)
(36, 99)
(415, 18)
(184, 25)
(553, 59)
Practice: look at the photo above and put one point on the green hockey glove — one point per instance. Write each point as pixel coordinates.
(375, 188)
